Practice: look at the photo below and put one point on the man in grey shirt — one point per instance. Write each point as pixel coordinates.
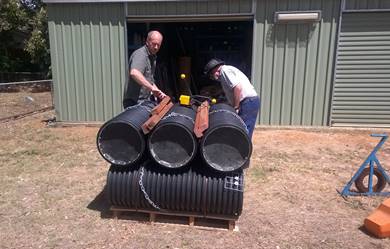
(142, 64)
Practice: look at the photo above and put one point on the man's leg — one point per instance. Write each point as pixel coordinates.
(249, 108)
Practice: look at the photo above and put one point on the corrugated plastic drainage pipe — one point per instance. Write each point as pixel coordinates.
(120, 140)
(193, 190)
(172, 143)
(225, 145)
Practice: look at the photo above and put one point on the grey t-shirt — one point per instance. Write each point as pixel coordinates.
(144, 62)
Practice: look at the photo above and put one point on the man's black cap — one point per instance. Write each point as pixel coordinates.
(213, 63)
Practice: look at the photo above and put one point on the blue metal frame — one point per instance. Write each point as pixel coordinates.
(371, 160)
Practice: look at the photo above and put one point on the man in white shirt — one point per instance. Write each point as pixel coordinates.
(239, 92)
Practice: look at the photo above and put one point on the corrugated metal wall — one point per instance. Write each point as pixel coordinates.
(293, 63)
(367, 4)
(88, 59)
(362, 86)
(198, 7)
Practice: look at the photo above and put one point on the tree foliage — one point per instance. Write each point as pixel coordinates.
(23, 36)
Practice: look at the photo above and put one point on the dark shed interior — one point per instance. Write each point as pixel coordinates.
(187, 47)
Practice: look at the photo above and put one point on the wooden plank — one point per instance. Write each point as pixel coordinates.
(232, 225)
(116, 214)
(187, 214)
(155, 118)
(152, 217)
(193, 220)
(161, 105)
(201, 119)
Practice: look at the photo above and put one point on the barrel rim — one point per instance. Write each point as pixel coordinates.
(215, 166)
(140, 136)
(163, 163)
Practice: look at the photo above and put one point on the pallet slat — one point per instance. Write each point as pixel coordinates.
(192, 218)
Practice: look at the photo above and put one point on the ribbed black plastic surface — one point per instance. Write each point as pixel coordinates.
(225, 145)
(120, 140)
(186, 191)
(172, 143)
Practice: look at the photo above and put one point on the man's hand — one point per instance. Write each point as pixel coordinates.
(158, 93)
(237, 92)
(141, 80)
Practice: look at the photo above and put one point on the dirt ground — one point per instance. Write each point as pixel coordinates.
(52, 180)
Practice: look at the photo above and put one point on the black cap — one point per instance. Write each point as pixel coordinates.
(213, 63)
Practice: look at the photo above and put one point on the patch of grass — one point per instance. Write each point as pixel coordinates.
(345, 156)
(272, 168)
(20, 154)
(40, 135)
(355, 204)
(46, 136)
(258, 173)
(330, 171)
(29, 153)
(185, 244)
(280, 156)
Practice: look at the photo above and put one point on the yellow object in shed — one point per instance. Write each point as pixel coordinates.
(184, 100)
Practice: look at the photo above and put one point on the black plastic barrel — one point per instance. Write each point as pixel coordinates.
(120, 140)
(225, 145)
(190, 192)
(172, 143)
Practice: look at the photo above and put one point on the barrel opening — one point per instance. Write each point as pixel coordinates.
(120, 143)
(172, 145)
(226, 148)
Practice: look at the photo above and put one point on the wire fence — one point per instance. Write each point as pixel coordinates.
(21, 76)
(24, 98)
(26, 82)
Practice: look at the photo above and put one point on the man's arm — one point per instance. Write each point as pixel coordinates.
(142, 81)
(237, 90)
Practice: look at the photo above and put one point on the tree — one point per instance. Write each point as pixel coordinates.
(37, 46)
(12, 23)
(23, 36)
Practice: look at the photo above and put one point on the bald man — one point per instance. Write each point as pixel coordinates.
(142, 64)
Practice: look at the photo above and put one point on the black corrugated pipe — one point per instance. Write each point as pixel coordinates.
(193, 191)
(172, 143)
(120, 140)
(225, 145)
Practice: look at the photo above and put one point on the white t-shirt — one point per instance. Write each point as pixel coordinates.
(230, 77)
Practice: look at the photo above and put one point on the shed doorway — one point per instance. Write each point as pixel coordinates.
(187, 47)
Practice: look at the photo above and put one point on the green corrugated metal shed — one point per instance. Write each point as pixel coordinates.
(361, 94)
(292, 64)
(87, 43)
(367, 4)
(185, 8)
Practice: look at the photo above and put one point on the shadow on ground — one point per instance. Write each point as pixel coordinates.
(101, 204)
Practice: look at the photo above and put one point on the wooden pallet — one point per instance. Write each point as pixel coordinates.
(174, 218)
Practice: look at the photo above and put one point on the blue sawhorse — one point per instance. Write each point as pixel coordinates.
(379, 171)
